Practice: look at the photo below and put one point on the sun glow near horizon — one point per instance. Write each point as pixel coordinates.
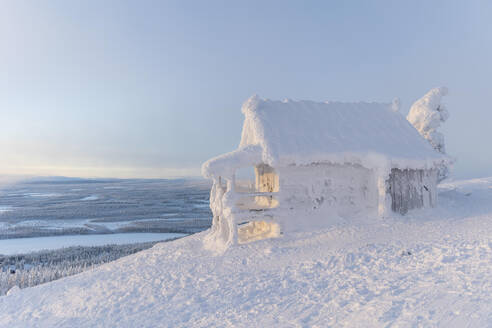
(16, 173)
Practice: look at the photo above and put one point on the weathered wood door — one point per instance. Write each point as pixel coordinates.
(411, 189)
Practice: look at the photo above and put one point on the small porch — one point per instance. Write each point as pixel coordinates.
(245, 207)
(245, 210)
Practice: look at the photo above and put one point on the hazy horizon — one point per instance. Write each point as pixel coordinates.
(152, 89)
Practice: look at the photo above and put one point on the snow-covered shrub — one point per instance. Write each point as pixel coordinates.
(426, 115)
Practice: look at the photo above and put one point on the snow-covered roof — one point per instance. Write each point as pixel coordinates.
(227, 163)
(305, 132)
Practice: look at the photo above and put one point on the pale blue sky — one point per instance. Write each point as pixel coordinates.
(154, 88)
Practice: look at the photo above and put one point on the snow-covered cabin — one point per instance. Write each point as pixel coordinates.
(314, 161)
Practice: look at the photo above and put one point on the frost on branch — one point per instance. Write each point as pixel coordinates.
(426, 115)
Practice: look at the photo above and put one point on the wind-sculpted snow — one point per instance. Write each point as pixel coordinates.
(428, 269)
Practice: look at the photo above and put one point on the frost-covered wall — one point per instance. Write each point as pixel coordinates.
(340, 189)
(426, 115)
(306, 197)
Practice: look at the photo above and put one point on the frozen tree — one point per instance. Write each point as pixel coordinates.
(27, 270)
(426, 115)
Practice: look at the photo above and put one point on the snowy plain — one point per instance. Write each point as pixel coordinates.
(430, 268)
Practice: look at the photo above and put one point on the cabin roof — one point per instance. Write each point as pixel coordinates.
(305, 132)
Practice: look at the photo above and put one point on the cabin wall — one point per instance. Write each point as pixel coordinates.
(341, 189)
(412, 189)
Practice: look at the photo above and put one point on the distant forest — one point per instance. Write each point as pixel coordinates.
(28, 270)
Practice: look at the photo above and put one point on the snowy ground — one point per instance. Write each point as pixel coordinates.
(430, 268)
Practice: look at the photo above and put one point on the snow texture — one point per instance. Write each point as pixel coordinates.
(13, 290)
(429, 269)
(305, 132)
(426, 115)
(325, 191)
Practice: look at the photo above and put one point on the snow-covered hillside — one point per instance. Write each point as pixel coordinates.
(429, 268)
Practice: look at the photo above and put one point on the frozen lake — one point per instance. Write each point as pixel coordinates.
(42, 207)
(27, 245)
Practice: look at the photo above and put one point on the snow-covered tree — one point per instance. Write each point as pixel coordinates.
(426, 115)
(27, 270)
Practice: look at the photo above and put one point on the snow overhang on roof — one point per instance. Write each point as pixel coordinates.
(225, 165)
